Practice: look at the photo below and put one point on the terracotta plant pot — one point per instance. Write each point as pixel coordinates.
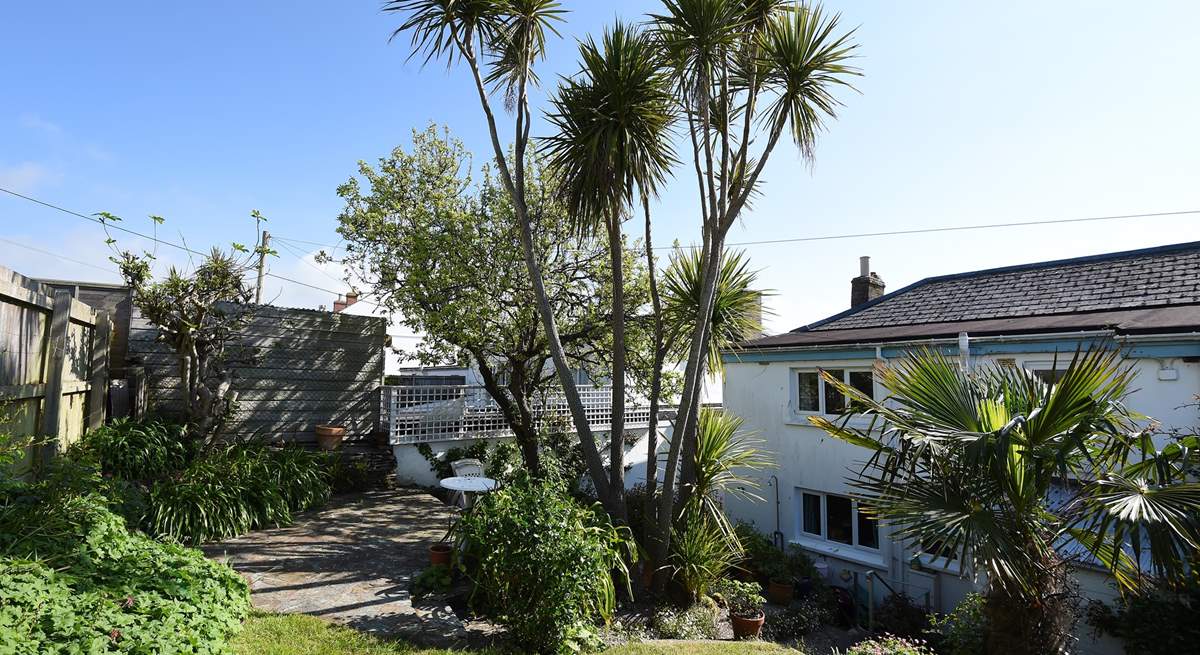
(780, 593)
(747, 627)
(440, 554)
(329, 437)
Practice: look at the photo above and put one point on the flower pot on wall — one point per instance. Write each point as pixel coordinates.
(780, 592)
(440, 554)
(329, 437)
(746, 627)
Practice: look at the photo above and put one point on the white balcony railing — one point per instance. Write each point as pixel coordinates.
(416, 414)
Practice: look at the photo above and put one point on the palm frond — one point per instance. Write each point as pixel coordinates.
(736, 306)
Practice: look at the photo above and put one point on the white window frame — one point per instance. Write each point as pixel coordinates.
(804, 535)
(798, 415)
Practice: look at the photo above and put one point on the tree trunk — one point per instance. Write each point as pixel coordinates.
(516, 190)
(616, 460)
(659, 347)
(1036, 624)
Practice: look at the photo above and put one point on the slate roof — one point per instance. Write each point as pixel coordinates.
(1153, 289)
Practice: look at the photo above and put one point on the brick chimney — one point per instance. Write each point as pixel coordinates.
(343, 302)
(867, 286)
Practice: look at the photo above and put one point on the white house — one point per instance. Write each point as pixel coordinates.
(1147, 302)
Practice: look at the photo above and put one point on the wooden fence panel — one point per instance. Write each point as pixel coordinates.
(53, 362)
(313, 368)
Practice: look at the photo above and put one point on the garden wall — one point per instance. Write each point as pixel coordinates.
(314, 368)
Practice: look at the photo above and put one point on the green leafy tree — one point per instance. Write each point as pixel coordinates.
(963, 462)
(500, 42)
(438, 249)
(198, 314)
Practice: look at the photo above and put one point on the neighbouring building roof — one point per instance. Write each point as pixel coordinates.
(1137, 291)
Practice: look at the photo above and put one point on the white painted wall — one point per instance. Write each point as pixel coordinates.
(807, 458)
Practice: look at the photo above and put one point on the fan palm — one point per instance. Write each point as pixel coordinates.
(965, 461)
(613, 121)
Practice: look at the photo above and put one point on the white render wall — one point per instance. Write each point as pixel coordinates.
(807, 458)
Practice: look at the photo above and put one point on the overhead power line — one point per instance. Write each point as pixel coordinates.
(149, 237)
(887, 233)
(57, 256)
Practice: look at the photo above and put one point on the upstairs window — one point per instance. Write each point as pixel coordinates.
(815, 397)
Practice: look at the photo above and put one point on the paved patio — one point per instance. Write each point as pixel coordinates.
(351, 562)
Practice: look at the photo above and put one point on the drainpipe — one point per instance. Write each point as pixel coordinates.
(964, 351)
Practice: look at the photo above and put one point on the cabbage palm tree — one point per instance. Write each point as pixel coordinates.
(745, 73)
(963, 463)
(613, 120)
(736, 305)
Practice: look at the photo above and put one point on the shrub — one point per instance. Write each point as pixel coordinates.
(696, 622)
(1155, 621)
(900, 616)
(801, 617)
(544, 562)
(433, 580)
(96, 587)
(234, 489)
(136, 450)
(742, 598)
(889, 645)
(700, 555)
(964, 630)
(440, 463)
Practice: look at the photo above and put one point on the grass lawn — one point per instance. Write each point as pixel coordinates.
(296, 634)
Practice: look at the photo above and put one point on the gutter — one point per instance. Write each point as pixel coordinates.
(949, 341)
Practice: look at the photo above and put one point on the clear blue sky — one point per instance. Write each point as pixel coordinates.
(969, 113)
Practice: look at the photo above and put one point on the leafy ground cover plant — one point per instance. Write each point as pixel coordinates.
(433, 580)
(889, 645)
(698, 621)
(545, 563)
(802, 617)
(73, 579)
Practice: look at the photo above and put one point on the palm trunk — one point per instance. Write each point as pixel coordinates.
(616, 462)
(655, 386)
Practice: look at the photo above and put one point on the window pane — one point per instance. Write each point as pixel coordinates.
(812, 514)
(809, 396)
(868, 531)
(835, 402)
(840, 520)
(1050, 377)
(863, 381)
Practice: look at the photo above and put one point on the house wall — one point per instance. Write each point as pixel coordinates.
(760, 389)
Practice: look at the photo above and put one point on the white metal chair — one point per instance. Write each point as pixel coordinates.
(465, 468)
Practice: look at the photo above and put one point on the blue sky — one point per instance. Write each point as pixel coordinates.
(968, 113)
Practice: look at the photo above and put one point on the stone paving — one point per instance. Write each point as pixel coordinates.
(351, 562)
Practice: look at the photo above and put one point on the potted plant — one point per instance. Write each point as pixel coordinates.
(745, 603)
(441, 553)
(780, 585)
(329, 437)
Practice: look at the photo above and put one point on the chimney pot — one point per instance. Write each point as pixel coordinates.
(351, 298)
(864, 265)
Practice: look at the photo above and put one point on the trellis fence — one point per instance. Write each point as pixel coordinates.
(53, 362)
(418, 414)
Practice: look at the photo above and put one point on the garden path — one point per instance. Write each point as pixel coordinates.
(351, 562)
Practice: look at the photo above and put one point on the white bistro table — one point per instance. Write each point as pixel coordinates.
(468, 486)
